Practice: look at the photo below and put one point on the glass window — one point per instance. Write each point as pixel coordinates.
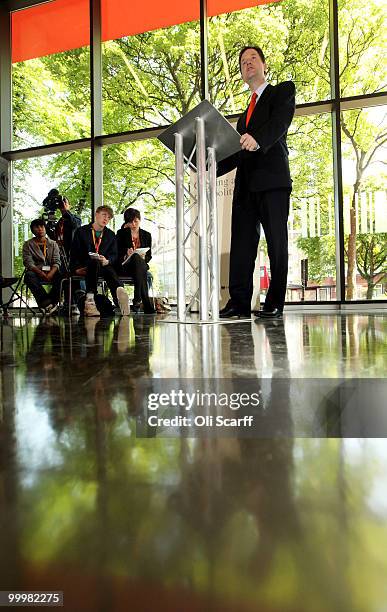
(362, 28)
(50, 73)
(312, 244)
(294, 37)
(365, 202)
(150, 78)
(141, 175)
(34, 178)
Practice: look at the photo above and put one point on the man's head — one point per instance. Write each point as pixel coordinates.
(38, 228)
(132, 217)
(103, 215)
(252, 65)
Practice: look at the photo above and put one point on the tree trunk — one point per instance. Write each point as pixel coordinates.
(370, 279)
(351, 272)
(370, 289)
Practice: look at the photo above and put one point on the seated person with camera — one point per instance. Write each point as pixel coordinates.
(130, 238)
(93, 254)
(41, 259)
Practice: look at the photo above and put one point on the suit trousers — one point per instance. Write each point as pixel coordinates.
(271, 210)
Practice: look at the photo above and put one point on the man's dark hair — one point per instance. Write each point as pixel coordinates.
(257, 49)
(131, 214)
(37, 223)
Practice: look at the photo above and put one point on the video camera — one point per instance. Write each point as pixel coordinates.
(52, 202)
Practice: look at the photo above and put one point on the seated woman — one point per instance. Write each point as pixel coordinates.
(129, 238)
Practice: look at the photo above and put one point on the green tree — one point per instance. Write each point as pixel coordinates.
(153, 78)
(371, 259)
(365, 138)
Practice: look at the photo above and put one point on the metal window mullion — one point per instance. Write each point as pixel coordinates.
(336, 148)
(96, 103)
(6, 233)
(204, 88)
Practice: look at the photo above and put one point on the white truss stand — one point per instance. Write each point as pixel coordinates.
(199, 140)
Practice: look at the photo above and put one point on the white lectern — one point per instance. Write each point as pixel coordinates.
(199, 140)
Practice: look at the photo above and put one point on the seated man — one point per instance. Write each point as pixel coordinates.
(41, 259)
(96, 238)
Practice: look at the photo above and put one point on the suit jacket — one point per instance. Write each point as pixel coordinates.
(124, 242)
(83, 244)
(267, 168)
(33, 256)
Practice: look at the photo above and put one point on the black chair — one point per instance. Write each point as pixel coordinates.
(16, 284)
(23, 287)
(129, 280)
(126, 280)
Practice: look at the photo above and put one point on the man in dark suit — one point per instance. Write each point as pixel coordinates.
(262, 188)
(93, 254)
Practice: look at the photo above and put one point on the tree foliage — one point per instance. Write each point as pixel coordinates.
(152, 79)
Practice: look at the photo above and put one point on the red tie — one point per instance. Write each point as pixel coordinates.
(251, 108)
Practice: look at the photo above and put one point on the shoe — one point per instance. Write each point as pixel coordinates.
(74, 311)
(136, 306)
(230, 311)
(269, 314)
(148, 307)
(63, 310)
(91, 309)
(50, 309)
(150, 311)
(123, 301)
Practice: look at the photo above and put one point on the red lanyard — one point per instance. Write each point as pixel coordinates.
(97, 241)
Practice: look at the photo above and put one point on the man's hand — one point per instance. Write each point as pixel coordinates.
(103, 260)
(81, 271)
(248, 143)
(50, 275)
(42, 275)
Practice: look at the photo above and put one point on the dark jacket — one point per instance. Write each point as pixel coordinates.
(124, 242)
(267, 168)
(83, 244)
(71, 224)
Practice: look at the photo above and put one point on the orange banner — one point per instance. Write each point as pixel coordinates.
(64, 24)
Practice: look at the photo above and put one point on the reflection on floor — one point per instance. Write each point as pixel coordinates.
(276, 524)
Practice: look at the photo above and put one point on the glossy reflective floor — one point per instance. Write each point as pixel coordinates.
(256, 524)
